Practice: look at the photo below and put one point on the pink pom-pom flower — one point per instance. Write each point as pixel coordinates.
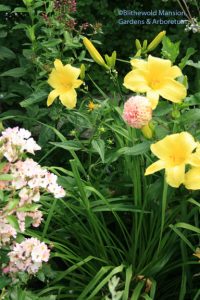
(137, 111)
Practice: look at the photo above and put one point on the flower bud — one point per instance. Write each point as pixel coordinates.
(147, 132)
(156, 41)
(94, 53)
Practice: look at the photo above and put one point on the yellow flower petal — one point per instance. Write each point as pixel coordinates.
(192, 179)
(173, 91)
(77, 83)
(157, 166)
(69, 99)
(138, 63)
(156, 76)
(58, 64)
(174, 72)
(175, 149)
(153, 98)
(64, 80)
(158, 67)
(52, 96)
(135, 81)
(71, 72)
(175, 176)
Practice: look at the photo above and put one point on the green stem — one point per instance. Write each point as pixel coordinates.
(163, 210)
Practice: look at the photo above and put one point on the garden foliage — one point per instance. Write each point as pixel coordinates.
(109, 207)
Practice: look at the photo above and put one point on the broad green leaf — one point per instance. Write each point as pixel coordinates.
(170, 50)
(135, 150)
(68, 145)
(16, 72)
(6, 53)
(36, 97)
(191, 115)
(184, 60)
(99, 147)
(4, 7)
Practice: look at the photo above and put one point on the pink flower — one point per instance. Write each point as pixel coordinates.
(137, 111)
(28, 256)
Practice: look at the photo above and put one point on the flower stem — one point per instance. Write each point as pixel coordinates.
(164, 204)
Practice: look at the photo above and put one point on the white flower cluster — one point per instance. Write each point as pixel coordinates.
(28, 256)
(27, 182)
(15, 141)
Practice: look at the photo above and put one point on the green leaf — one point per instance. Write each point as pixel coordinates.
(184, 60)
(16, 72)
(187, 226)
(192, 115)
(68, 145)
(36, 97)
(170, 50)
(4, 7)
(99, 147)
(137, 291)
(20, 10)
(6, 177)
(193, 64)
(135, 150)
(193, 100)
(6, 53)
(4, 281)
(13, 221)
(30, 207)
(51, 43)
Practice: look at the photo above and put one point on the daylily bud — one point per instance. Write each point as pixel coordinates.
(110, 60)
(138, 44)
(147, 132)
(144, 46)
(94, 53)
(82, 74)
(156, 41)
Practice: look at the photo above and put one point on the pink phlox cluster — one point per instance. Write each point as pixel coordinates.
(15, 141)
(28, 256)
(30, 177)
(137, 111)
(7, 232)
(35, 215)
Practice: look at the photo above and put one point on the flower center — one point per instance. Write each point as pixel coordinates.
(155, 84)
(176, 160)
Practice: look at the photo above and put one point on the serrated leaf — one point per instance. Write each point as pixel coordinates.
(16, 72)
(170, 50)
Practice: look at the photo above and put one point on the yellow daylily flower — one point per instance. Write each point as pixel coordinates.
(64, 81)
(155, 77)
(174, 152)
(192, 179)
